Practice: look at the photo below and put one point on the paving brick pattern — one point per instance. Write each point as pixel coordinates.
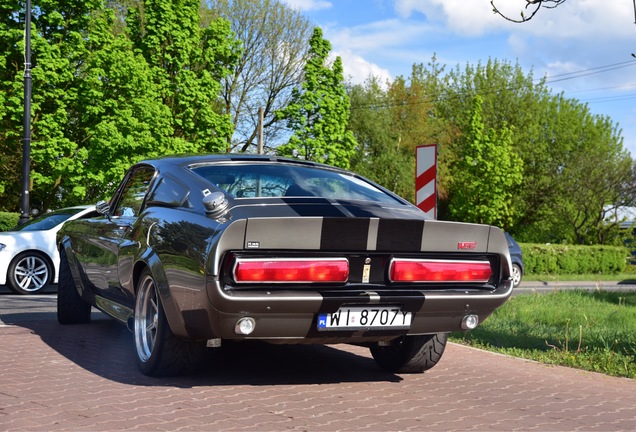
(84, 378)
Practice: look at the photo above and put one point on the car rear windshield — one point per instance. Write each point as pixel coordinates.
(248, 180)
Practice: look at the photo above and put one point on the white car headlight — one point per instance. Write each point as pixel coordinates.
(2, 246)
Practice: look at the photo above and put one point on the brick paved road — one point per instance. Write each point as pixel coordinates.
(84, 378)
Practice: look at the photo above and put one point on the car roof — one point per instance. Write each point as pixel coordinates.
(193, 159)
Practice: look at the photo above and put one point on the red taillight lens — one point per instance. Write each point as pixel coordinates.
(440, 271)
(291, 270)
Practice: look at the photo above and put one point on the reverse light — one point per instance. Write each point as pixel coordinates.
(408, 270)
(245, 326)
(291, 270)
(470, 322)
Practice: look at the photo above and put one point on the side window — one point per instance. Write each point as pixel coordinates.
(133, 193)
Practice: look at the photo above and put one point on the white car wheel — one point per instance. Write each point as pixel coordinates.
(29, 273)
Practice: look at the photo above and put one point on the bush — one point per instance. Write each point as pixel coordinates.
(573, 259)
(8, 221)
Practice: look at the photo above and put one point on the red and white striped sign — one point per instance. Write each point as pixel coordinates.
(426, 179)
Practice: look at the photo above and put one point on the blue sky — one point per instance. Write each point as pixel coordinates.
(583, 47)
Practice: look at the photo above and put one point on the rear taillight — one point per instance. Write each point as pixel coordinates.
(440, 271)
(291, 270)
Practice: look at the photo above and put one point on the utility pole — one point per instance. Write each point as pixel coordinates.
(26, 140)
(261, 114)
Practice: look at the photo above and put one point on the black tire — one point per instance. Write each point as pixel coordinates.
(71, 309)
(29, 273)
(516, 275)
(410, 354)
(159, 351)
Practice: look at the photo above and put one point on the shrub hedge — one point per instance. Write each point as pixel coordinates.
(8, 221)
(574, 259)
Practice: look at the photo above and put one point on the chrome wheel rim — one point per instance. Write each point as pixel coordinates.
(516, 275)
(31, 273)
(146, 318)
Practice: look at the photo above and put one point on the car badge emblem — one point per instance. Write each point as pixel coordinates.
(466, 245)
(253, 244)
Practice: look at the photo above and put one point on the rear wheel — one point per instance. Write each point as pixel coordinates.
(159, 351)
(410, 354)
(29, 273)
(71, 309)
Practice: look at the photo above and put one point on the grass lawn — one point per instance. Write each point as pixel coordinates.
(591, 330)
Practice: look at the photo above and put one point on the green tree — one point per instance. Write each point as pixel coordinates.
(107, 93)
(60, 43)
(187, 62)
(318, 114)
(390, 120)
(552, 135)
(594, 177)
(378, 155)
(486, 174)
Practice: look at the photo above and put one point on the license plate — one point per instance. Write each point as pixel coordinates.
(365, 317)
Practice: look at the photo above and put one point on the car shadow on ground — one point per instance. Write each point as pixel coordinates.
(106, 348)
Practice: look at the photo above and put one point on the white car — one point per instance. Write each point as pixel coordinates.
(29, 260)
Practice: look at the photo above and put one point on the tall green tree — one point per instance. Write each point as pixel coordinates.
(486, 174)
(60, 42)
(187, 61)
(319, 112)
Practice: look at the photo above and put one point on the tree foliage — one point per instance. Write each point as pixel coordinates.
(537, 164)
(274, 50)
(390, 120)
(116, 81)
(487, 172)
(378, 155)
(319, 112)
(111, 85)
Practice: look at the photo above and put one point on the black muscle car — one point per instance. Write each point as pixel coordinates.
(194, 252)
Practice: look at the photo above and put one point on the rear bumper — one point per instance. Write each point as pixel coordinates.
(291, 316)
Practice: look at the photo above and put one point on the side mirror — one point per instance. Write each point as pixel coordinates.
(103, 208)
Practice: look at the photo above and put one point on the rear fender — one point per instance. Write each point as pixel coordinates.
(179, 298)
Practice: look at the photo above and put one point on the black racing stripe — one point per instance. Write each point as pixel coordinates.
(367, 211)
(400, 235)
(344, 234)
(316, 208)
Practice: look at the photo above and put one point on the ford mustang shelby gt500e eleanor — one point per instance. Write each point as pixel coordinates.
(199, 251)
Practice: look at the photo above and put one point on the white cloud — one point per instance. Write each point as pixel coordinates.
(464, 17)
(357, 69)
(388, 39)
(573, 19)
(308, 5)
(388, 42)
